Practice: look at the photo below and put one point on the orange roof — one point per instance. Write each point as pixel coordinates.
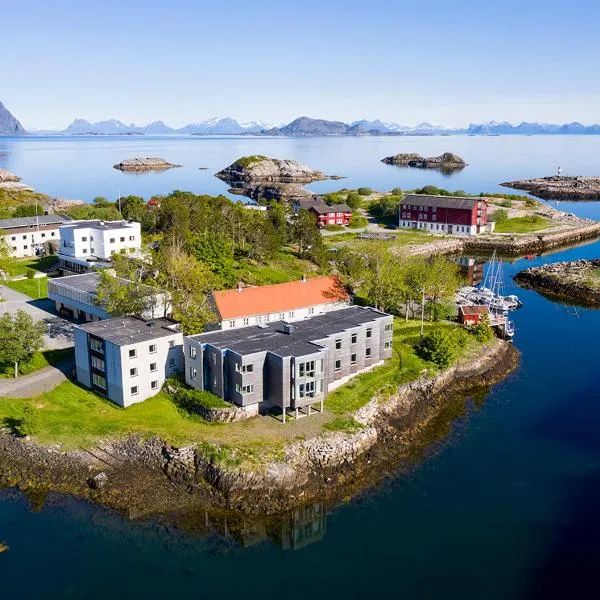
(473, 309)
(281, 297)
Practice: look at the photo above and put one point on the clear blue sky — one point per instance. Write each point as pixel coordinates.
(188, 60)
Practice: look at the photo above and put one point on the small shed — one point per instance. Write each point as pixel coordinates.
(472, 314)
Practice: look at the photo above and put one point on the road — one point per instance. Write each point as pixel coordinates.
(28, 386)
(60, 331)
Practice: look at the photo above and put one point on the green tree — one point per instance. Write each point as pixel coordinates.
(364, 191)
(7, 261)
(123, 297)
(217, 254)
(483, 331)
(306, 234)
(437, 347)
(500, 215)
(354, 200)
(20, 338)
(132, 207)
(385, 208)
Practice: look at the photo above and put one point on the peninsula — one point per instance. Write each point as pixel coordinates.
(575, 282)
(144, 164)
(446, 161)
(558, 187)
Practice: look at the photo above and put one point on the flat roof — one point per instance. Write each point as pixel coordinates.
(123, 331)
(441, 201)
(101, 224)
(279, 297)
(88, 282)
(28, 221)
(271, 337)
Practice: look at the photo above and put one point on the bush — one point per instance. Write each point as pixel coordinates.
(30, 274)
(364, 191)
(357, 221)
(397, 192)
(439, 311)
(353, 200)
(483, 332)
(333, 227)
(499, 216)
(29, 423)
(506, 203)
(190, 399)
(460, 337)
(437, 347)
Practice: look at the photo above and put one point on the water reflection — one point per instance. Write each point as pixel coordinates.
(471, 269)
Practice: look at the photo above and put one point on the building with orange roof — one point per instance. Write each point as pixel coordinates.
(291, 301)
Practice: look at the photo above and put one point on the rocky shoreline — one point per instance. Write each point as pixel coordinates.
(445, 162)
(576, 282)
(144, 164)
(559, 187)
(150, 477)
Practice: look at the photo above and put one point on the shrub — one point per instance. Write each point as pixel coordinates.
(483, 331)
(30, 273)
(333, 227)
(441, 310)
(506, 203)
(29, 423)
(437, 347)
(354, 200)
(531, 203)
(499, 216)
(364, 191)
(397, 192)
(460, 337)
(358, 221)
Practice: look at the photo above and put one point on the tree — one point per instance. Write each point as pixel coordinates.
(123, 297)
(29, 423)
(385, 208)
(500, 215)
(190, 284)
(20, 338)
(306, 234)
(217, 254)
(483, 331)
(353, 200)
(7, 260)
(132, 207)
(437, 347)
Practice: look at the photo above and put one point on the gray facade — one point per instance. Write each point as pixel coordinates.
(126, 359)
(288, 365)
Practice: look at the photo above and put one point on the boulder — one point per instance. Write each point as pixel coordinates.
(7, 176)
(445, 161)
(144, 164)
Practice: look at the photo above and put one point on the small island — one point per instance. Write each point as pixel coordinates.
(445, 162)
(271, 178)
(558, 187)
(575, 282)
(144, 164)
(7, 176)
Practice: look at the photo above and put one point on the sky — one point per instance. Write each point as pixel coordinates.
(185, 61)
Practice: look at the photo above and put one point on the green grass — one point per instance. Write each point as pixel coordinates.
(34, 288)
(523, 225)
(286, 267)
(42, 263)
(39, 360)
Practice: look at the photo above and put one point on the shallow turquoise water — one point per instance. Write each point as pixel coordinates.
(504, 507)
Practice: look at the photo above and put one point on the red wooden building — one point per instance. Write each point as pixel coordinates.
(445, 214)
(471, 315)
(335, 214)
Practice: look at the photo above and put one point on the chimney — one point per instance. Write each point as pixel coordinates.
(288, 329)
(303, 278)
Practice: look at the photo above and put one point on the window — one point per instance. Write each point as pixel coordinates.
(369, 332)
(92, 250)
(353, 359)
(368, 352)
(193, 373)
(244, 389)
(338, 365)
(111, 241)
(154, 385)
(153, 367)
(24, 237)
(387, 345)
(52, 234)
(132, 353)
(84, 239)
(192, 351)
(14, 238)
(132, 238)
(43, 235)
(311, 310)
(134, 390)
(281, 316)
(245, 321)
(434, 208)
(99, 381)
(231, 323)
(338, 344)
(152, 348)
(172, 344)
(354, 338)
(291, 314)
(96, 344)
(97, 363)
(247, 368)
(133, 372)
(84, 250)
(433, 217)
(25, 247)
(122, 239)
(388, 327)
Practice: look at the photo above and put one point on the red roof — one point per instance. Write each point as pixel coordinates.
(471, 309)
(281, 297)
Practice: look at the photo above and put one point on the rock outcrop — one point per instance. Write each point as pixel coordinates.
(446, 161)
(144, 164)
(559, 188)
(8, 124)
(575, 282)
(7, 176)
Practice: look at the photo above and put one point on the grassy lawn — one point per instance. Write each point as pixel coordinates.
(34, 288)
(42, 263)
(38, 361)
(523, 225)
(286, 267)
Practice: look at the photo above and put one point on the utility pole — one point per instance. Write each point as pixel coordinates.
(422, 310)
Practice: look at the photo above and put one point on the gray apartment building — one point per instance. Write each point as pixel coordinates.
(288, 365)
(127, 359)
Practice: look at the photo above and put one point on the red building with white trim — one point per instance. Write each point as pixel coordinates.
(445, 214)
(335, 214)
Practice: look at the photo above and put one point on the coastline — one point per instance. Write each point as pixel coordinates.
(149, 477)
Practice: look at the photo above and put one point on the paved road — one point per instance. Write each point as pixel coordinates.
(60, 331)
(37, 383)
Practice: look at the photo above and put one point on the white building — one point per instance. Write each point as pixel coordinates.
(126, 359)
(76, 297)
(291, 301)
(87, 244)
(26, 236)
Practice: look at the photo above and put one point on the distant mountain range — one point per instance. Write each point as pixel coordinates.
(302, 126)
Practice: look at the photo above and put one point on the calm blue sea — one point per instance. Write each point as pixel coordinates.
(505, 507)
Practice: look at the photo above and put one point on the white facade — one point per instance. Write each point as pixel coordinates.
(126, 373)
(297, 314)
(99, 239)
(29, 243)
(444, 228)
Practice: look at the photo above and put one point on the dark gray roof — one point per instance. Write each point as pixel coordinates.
(324, 209)
(272, 337)
(99, 224)
(123, 331)
(88, 282)
(28, 221)
(441, 201)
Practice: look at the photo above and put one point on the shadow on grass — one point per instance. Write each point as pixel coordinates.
(12, 424)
